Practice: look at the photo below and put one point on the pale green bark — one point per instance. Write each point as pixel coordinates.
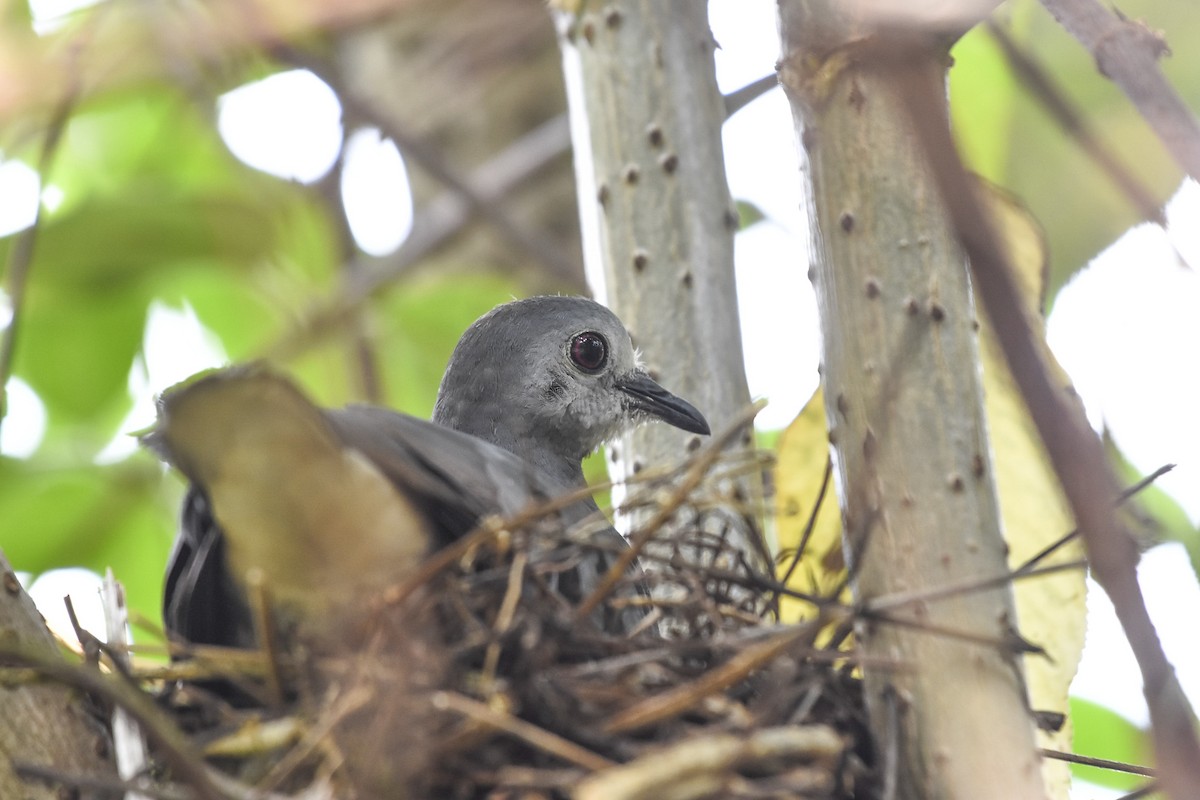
(658, 220)
(905, 410)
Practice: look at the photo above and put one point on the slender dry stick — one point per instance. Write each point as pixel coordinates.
(527, 732)
(897, 600)
(1102, 763)
(811, 524)
(20, 259)
(103, 787)
(675, 701)
(1077, 454)
(1029, 569)
(1047, 551)
(738, 99)
(259, 595)
(1127, 53)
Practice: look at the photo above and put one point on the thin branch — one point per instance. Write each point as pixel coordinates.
(1102, 763)
(448, 214)
(1056, 103)
(527, 732)
(1127, 53)
(811, 524)
(434, 225)
(421, 152)
(1028, 569)
(20, 259)
(898, 600)
(1046, 552)
(104, 787)
(699, 467)
(738, 99)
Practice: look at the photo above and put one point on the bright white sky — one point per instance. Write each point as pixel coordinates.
(1126, 329)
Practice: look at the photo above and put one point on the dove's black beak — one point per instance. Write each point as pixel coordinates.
(650, 398)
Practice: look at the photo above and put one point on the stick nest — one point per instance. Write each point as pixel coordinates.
(489, 674)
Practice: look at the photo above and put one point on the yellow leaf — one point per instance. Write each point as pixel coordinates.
(800, 473)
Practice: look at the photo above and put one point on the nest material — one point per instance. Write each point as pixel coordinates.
(484, 678)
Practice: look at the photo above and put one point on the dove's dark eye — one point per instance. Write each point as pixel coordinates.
(589, 351)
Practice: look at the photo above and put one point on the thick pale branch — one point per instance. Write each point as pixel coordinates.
(906, 417)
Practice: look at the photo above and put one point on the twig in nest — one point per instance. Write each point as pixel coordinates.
(348, 703)
(699, 467)
(702, 766)
(264, 625)
(504, 618)
(681, 698)
(540, 738)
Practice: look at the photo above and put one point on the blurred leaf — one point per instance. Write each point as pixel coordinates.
(748, 214)
(154, 136)
(227, 302)
(295, 501)
(1008, 137)
(76, 348)
(89, 516)
(122, 236)
(47, 512)
(305, 244)
(1103, 733)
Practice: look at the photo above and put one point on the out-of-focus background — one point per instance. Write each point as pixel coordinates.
(211, 200)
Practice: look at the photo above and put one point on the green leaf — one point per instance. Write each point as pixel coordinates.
(749, 214)
(121, 237)
(1009, 138)
(92, 516)
(47, 512)
(155, 136)
(229, 303)
(1103, 733)
(76, 349)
